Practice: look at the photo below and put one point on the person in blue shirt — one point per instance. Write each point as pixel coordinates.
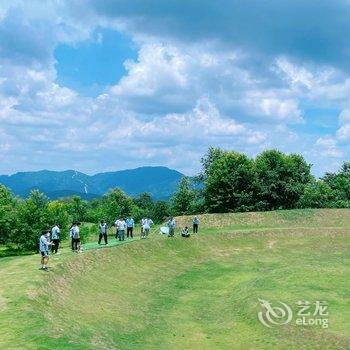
(130, 224)
(44, 243)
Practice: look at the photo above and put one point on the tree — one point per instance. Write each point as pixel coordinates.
(8, 207)
(280, 179)
(144, 201)
(33, 218)
(160, 211)
(58, 214)
(212, 155)
(340, 186)
(115, 204)
(143, 205)
(230, 182)
(183, 199)
(77, 208)
(345, 169)
(317, 194)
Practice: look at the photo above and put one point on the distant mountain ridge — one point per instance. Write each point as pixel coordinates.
(160, 182)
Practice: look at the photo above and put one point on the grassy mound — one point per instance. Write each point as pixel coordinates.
(197, 293)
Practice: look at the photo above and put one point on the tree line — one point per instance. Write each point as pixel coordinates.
(228, 182)
(233, 182)
(22, 220)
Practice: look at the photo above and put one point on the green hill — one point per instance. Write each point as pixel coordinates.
(197, 293)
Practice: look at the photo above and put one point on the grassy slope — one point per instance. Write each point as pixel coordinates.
(186, 293)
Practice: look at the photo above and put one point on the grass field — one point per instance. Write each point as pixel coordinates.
(196, 293)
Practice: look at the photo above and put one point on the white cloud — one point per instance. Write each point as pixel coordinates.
(328, 147)
(177, 98)
(159, 68)
(343, 133)
(344, 116)
(272, 105)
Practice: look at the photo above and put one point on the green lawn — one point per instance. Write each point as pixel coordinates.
(197, 293)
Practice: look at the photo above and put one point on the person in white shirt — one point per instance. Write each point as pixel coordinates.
(75, 234)
(55, 238)
(146, 225)
(142, 221)
(102, 228)
(120, 225)
(171, 224)
(195, 224)
(71, 231)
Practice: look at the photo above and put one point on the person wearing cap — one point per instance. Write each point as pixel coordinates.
(44, 243)
(55, 238)
(102, 227)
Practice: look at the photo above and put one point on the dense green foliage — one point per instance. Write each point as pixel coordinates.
(22, 221)
(332, 191)
(281, 179)
(230, 184)
(7, 214)
(233, 182)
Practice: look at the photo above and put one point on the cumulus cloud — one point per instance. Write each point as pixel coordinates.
(299, 29)
(343, 133)
(240, 81)
(328, 147)
(174, 78)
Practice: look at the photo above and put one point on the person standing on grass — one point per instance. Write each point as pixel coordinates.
(44, 243)
(130, 224)
(142, 222)
(75, 231)
(55, 238)
(71, 231)
(147, 223)
(171, 225)
(102, 227)
(195, 224)
(121, 227)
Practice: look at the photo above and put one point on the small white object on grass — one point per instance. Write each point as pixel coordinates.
(164, 230)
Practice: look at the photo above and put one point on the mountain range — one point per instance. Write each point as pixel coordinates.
(160, 182)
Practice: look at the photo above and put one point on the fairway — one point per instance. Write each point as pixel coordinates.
(196, 293)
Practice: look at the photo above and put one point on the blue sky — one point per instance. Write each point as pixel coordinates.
(90, 66)
(100, 85)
